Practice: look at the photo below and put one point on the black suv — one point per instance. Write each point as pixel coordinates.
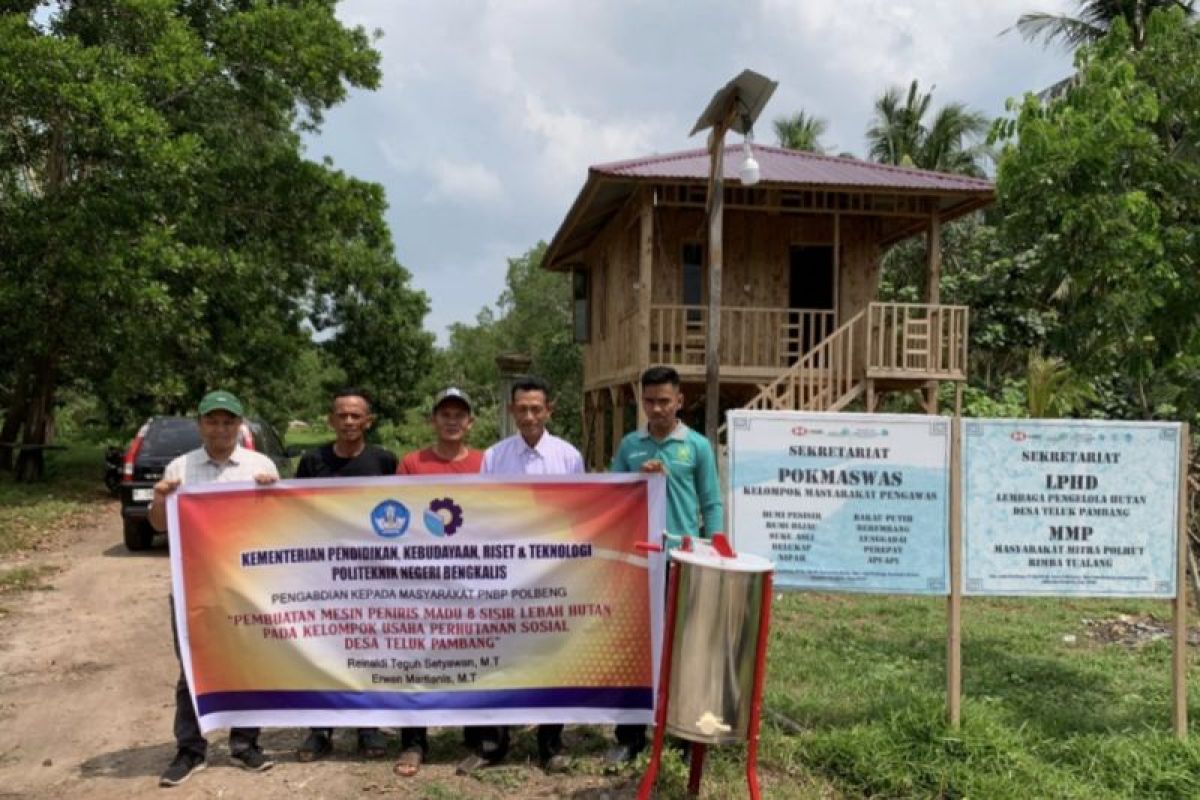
(159, 442)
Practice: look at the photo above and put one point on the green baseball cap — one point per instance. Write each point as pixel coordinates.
(221, 401)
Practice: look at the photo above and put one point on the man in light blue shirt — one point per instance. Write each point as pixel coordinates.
(694, 506)
(533, 450)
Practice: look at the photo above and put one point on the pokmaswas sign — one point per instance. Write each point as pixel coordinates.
(844, 502)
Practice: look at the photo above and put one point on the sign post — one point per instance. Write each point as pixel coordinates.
(954, 601)
(1179, 656)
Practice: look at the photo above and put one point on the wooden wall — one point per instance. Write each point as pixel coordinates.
(756, 271)
(756, 253)
(612, 261)
(858, 283)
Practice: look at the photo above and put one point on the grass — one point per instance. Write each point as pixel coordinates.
(23, 579)
(32, 512)
(863, 677)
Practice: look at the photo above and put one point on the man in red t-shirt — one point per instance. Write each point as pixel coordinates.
(449, 455)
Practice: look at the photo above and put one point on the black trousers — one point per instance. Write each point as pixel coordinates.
(492, 741)
(409, 737)
(187, 728)
(632, 736)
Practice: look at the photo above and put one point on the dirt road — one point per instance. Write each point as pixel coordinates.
(86, 702)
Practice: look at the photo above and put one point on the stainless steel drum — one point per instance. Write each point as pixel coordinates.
(717, 618)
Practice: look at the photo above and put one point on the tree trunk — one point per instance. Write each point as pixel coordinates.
(14, 420)
(39, 421)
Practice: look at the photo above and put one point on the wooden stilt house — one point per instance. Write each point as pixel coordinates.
(801, 327)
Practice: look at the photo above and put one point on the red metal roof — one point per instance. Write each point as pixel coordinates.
(780, 165)
(609, 187)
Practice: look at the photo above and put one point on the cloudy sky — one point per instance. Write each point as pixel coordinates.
(491, 112)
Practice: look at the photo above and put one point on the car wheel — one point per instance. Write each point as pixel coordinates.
(138, 534)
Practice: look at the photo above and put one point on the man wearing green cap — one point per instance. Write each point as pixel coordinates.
(220, 459)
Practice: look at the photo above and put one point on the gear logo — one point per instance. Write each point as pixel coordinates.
(444, 517)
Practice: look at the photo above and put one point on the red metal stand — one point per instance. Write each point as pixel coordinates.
(698, 750)
(664, 679)
(696, 768)
(760, 680)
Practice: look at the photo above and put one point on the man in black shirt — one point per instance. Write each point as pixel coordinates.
(347, 456)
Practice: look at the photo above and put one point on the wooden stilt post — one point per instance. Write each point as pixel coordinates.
(586, 428)
(615, 394)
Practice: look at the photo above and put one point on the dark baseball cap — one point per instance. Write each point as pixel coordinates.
(220, 400)
(451, 393)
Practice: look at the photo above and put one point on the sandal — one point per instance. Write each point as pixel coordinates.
(409, 762)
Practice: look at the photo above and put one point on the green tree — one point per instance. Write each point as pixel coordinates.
(163, 231)
(801, 131)
(534, 319)
(950, 142)
(1055, 390)
(1094, 20)
(1093, 196)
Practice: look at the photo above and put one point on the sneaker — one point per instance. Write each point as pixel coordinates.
(253, 759)
(185, 765)
(557, 764)
(316, 745)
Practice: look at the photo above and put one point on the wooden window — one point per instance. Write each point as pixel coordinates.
(579, 296)
(601, 288)
(693, 279)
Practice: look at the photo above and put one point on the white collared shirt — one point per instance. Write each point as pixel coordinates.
(197, 466)
(551, 456)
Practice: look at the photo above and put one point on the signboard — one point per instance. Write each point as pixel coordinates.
(843, 502)
(1070, 508)
(419, 601)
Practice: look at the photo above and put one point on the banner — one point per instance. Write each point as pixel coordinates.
(843, 502)
(1070, 507)
(419, 601)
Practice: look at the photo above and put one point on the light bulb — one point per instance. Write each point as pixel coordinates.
(748, 172)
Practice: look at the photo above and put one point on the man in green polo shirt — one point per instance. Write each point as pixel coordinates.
(694, 506)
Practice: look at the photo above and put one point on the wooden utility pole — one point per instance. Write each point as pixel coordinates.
(734, 107)
(712, 342)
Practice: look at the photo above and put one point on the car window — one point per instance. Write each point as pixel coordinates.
(171, 436)
(265, 439)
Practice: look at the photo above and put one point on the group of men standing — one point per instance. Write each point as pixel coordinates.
(665, 445)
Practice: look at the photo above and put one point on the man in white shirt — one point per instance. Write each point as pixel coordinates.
(531, 451)
(220, 459)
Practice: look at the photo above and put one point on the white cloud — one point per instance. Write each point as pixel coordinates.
(464, 183)
(491, 111)
(572, 142)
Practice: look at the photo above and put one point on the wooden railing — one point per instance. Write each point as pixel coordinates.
(912, 340)
(771, 338)
(827, 378)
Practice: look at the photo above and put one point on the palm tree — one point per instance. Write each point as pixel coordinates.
(801, 131)
(1094, 20)
(899, 135)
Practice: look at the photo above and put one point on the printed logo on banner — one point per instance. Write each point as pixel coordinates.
(390, 519)
(444, 517)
